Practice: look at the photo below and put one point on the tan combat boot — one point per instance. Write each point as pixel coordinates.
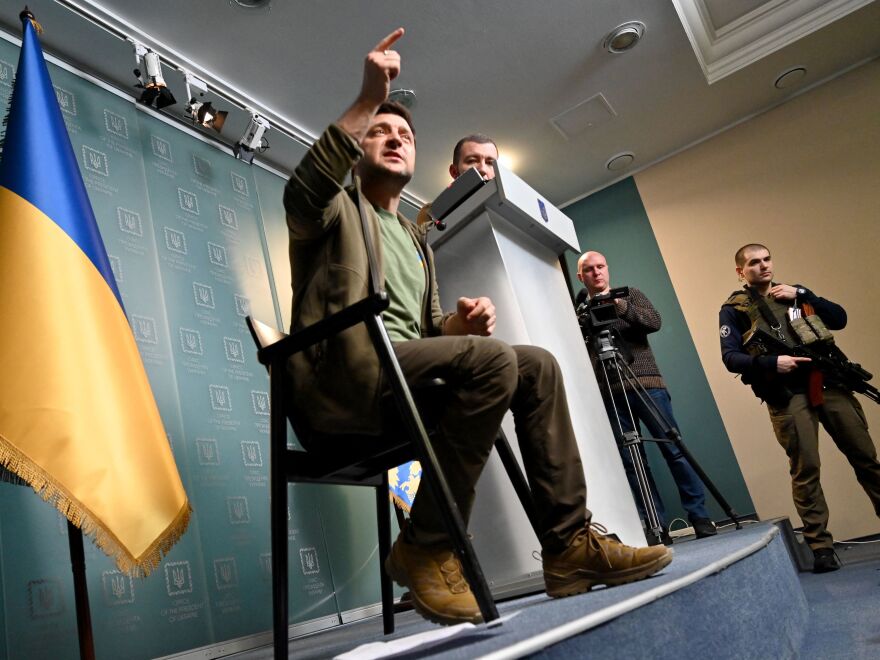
(436, 582)
(593, 558)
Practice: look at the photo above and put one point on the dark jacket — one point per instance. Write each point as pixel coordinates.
(336, 385)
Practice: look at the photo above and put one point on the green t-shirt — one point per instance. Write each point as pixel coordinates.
(404, 279)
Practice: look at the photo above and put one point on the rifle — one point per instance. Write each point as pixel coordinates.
(828, 359)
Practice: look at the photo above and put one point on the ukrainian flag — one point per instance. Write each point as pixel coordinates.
(78, 420)
(403, 484)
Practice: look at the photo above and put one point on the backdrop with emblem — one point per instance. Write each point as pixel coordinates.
(197, 241)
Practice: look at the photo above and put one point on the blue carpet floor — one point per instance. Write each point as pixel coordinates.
(844, 610)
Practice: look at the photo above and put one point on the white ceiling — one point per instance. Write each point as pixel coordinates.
(500, 67)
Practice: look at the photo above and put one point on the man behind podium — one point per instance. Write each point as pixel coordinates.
(475, 151)
(337, 386)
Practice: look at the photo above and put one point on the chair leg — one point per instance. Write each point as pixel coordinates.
(383, 517)
(432, 472)
(517, 479)
(278, 510)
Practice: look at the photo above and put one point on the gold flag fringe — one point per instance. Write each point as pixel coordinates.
(79, 515)
(399, 501)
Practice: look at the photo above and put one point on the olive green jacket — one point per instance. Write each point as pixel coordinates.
(337, 384)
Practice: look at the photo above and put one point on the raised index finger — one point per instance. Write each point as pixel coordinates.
(388, 41)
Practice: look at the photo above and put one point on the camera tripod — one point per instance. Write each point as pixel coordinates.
(616, 370)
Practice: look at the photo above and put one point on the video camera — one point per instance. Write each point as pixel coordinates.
(599, 311)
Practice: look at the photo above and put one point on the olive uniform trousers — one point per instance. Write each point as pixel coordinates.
(485, 377)
(797, 430)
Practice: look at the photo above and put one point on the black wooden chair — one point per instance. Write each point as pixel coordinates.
(365, 461)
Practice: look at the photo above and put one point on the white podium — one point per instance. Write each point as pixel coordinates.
(504, 242)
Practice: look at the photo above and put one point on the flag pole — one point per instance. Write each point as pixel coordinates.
(81, 592)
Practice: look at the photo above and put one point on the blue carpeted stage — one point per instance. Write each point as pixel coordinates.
(736, 595)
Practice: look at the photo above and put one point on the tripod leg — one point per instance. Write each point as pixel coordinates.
(675, 437)
(654, 527)
(631, 442)
(672, 434)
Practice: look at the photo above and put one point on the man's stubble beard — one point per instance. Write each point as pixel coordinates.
(370, 172)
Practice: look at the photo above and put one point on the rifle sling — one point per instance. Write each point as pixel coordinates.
(764, 310)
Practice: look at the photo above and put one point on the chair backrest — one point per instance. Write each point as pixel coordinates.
(263, 335)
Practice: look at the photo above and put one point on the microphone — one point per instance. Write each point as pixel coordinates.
(426, 217)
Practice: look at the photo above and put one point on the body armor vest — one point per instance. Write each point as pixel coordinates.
(779, 327)
(802, 330)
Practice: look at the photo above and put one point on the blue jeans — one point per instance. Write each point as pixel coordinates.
(690, 488)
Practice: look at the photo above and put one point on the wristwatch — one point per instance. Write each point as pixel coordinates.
(800, 291)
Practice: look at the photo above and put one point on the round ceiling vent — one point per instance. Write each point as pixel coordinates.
(251, 4)
(406, 97)
(790, 77)
(620, 161)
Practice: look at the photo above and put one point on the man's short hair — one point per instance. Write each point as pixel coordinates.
(740, 256)
(395, 108)
(479, 138)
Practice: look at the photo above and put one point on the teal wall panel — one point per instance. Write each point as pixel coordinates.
(613, 222)
(270, 190)
(213, 273)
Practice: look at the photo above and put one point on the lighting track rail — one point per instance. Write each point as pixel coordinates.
(118, 27)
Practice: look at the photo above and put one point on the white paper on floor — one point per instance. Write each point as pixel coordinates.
(418, 641)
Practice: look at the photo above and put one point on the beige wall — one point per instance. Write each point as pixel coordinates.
(804, 179)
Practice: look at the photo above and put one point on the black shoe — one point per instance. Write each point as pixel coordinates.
(665, 539)
(703, 527)
(825, 560)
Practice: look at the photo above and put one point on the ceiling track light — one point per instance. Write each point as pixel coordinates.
(624, 37)
(202, 112)
(156, 92)
(252, 141)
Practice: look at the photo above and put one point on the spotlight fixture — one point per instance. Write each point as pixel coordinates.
(202, 112)
(252, 141)
(151, 80)
(624, 37)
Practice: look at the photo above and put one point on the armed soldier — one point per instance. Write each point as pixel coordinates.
(763, 328)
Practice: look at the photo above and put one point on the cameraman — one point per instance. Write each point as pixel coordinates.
(636, 319)
(798, 396)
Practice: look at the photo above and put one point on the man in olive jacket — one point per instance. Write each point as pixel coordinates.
(337, 385)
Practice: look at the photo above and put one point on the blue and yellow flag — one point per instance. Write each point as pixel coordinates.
(78, 420)
(403, 483)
